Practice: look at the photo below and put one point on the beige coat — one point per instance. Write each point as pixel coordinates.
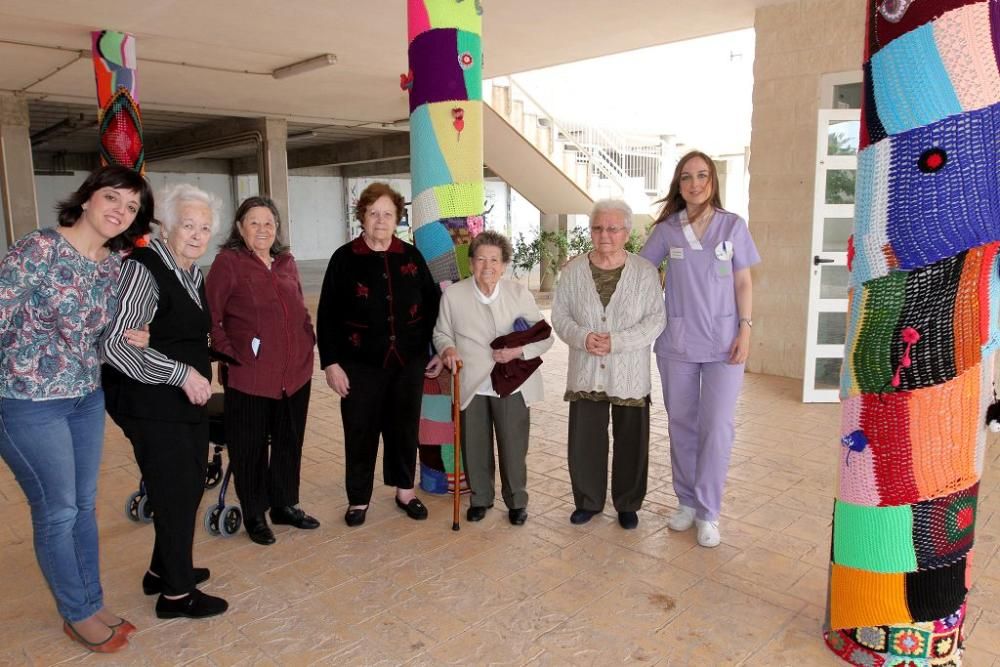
(469, 325)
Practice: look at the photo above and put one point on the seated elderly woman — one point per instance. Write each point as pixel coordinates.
(608, 309)
(158, 394)
(474, 314)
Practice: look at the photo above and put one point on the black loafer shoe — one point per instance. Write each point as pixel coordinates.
(292, 516)
(193, 605)
(258, 530)
(355, 517)
(153, 585)
(581, 516)
(517, 517)
(476, 513)
(414, 509)
(628, 520)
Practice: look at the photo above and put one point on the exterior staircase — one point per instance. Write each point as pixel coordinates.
(561, 166)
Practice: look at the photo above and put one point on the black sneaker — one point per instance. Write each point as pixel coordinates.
(193, 605)
(152, 584)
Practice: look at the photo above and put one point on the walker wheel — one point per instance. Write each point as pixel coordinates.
(212, 519)
(232, 519)
(145, 510)
(213, 475)
(132, 506)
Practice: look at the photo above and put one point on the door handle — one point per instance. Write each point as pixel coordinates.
(817, 260)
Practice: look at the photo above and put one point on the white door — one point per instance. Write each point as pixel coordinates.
(833, 220)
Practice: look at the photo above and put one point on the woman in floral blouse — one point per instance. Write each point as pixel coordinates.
(57, 295)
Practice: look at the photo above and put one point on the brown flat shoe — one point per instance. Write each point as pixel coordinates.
(112, 644)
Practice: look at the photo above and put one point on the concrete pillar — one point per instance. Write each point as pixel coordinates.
(17, 173)
(274, 169)
(551, 222)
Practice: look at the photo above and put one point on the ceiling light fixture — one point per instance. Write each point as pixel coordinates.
(319, 62)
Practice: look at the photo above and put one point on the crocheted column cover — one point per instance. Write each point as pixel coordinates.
(922, 329)
(446, 166)
(118, 117)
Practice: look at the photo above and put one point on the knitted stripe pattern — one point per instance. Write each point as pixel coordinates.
(924, 303)
(445, 84)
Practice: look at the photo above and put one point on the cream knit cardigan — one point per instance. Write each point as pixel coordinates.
(466, 323)
(635, 316)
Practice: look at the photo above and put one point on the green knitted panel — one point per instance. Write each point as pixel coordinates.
(883, 302)
(876, 539)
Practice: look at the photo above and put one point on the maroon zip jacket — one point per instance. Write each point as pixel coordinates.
(248, 302)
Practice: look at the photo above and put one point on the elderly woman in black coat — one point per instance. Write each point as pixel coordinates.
(376, 314)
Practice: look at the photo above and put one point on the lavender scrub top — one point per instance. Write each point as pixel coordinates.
(54, 306)
(700, 295)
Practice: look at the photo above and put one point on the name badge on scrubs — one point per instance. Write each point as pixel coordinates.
(724, 251)
(677, 253)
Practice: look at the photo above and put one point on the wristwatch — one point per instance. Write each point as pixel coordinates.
(747, 320)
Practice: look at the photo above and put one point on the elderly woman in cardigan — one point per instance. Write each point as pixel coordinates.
(486, 322)
(608, 309)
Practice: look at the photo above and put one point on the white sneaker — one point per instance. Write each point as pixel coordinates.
(708, 533)
(681, 519)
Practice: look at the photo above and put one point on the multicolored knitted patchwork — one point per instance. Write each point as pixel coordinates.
(445, 84)
(922, 330)
(118, 116)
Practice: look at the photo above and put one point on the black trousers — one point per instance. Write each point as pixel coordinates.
(588, 454)
(172, 458)
(381, 402)
(264, 437)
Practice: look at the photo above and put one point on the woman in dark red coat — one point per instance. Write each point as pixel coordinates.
(259, 318)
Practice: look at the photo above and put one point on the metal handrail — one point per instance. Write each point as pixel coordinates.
(566, 136)
(608, 154)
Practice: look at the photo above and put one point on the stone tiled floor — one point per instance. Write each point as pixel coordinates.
(397, 591)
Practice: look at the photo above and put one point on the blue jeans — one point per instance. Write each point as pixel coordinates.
(54, 449)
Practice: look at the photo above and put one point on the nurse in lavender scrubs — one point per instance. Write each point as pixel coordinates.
(702, 352)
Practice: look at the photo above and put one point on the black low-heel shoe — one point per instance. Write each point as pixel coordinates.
(258, 530)
(193, 605)
(153, 585)
(355, 517)
(476, 513)
(293, 516)
(517, 517)
(414, 509)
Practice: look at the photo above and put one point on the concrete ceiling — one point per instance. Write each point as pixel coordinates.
(40, 44)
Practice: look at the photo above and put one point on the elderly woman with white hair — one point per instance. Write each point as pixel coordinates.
(158, 394)
(608, 309)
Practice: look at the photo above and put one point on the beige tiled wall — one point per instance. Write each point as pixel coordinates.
(797, 42)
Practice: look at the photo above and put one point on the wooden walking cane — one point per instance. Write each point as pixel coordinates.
(456, 418)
